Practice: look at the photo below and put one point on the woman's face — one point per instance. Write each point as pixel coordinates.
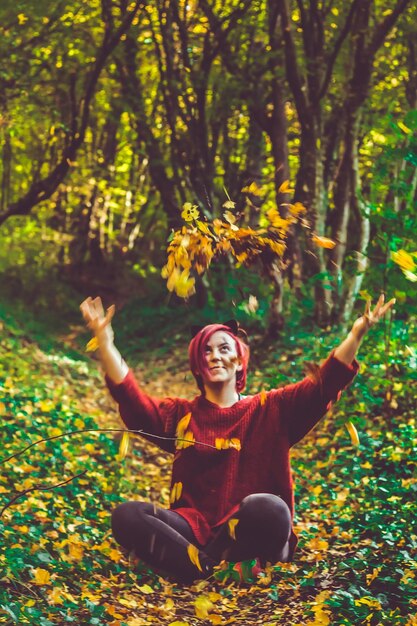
(222, 359)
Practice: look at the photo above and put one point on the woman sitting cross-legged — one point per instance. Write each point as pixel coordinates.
(231, 476)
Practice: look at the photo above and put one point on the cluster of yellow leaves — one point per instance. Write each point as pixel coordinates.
(321, 611)
(406, 262)
(197, 243)
(225, 444)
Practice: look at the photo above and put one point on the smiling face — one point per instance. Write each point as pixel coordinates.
(221, 358)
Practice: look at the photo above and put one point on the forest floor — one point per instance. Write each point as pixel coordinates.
(355, 516)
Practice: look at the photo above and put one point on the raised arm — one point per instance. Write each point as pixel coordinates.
(99, 322)
(303, 404)
(347, 350)
(138, 410)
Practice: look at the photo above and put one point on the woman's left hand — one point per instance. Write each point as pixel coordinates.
(370, 318)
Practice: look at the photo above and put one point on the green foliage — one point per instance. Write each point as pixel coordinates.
(355, 508)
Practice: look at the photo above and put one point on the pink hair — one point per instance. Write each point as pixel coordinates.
(197, 357)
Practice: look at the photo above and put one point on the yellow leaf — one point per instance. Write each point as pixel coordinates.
(194, 556)
(323, 242)
(76, 551)
(183, 425)
(219, 443)
(124, 446)
(232, 523)
(284, 187)
(203, 227)
(176, 492)
(229, 204)
(252, 189)
(190, 212)
(202, 606)
(22, 18)
(411, 276)
(354, 437)
(92, 345)
(229, 217)
(2, 409)
(404, 260)
(234, 443)
(186, 441)
(177, 623)
(146, 589)
(42, 576)
(404, 128)
(297, 208)
(262, 397)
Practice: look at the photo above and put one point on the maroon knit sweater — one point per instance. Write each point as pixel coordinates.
(214, 482)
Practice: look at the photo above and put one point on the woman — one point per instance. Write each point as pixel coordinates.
(232, 494)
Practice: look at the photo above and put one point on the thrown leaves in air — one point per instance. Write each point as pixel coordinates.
(232, 523)
(124, 446)
(354, 437)
(92, 345)
(323, 242)
(193, 555)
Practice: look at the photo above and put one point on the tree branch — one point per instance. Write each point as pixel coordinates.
(385, 26)
(336, 49)
(43, 189)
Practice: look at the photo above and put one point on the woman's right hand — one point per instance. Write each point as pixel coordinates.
(98, 321)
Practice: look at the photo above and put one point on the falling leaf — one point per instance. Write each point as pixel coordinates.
(404, 128)
(323, 242)
(404, 260)
(229, 204)
(232, 523)
(190, 212)
(42, 576)
(92, 345)
(202, 606)
(411, 276)
(253, 189)
(176, 492)
(124, 446)
(193, 555)
(22, 18)
(353, 433)
(285, 187)
(253, 304)
(203, 227)
(262, 397)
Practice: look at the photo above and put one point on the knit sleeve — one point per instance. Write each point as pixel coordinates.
(303, 404)
(140, 411)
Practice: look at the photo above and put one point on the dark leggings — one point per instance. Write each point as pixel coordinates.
(160, 537)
